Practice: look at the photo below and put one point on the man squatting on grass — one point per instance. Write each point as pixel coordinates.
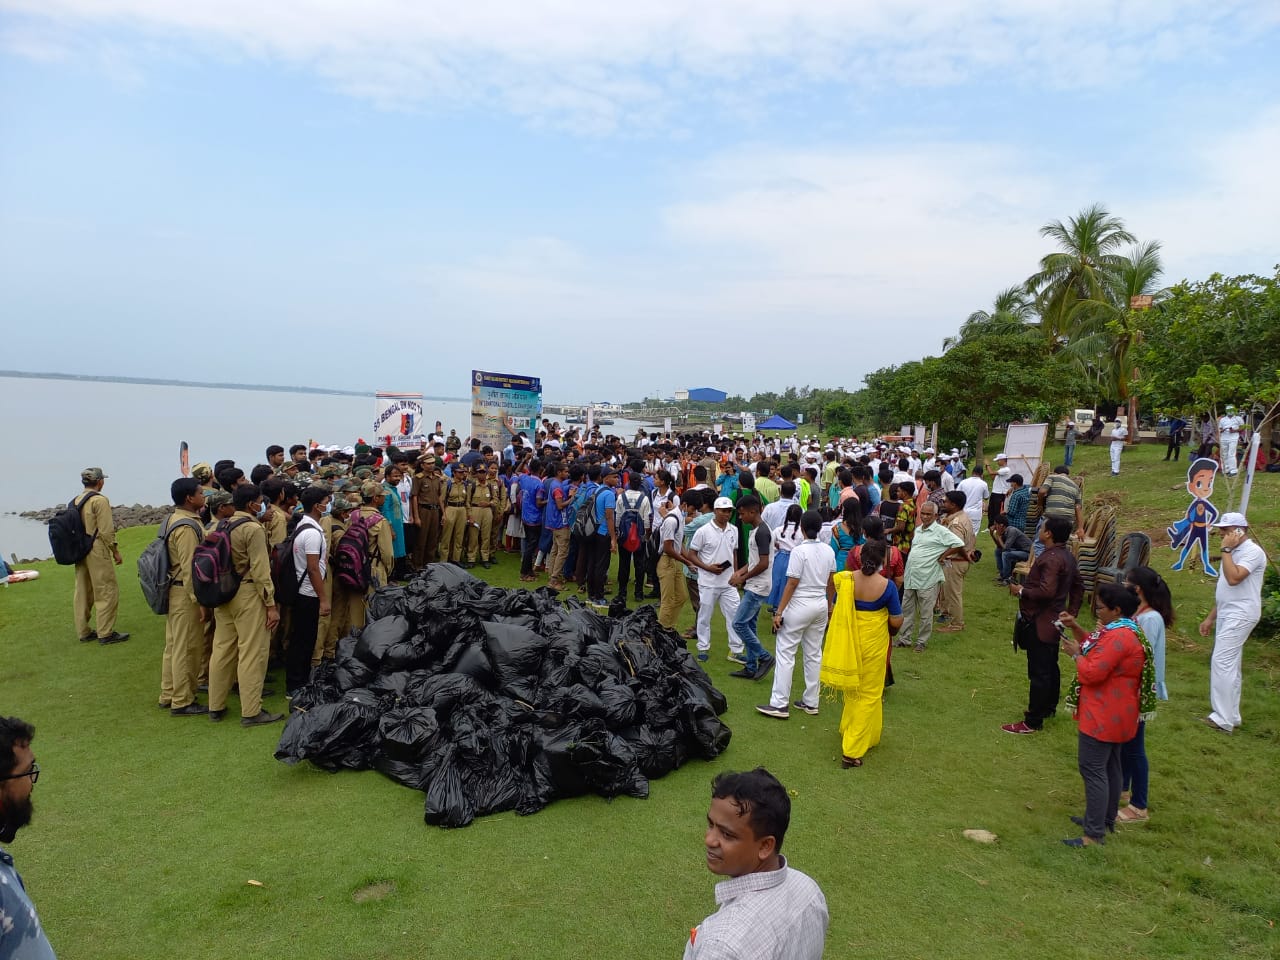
(768, 910)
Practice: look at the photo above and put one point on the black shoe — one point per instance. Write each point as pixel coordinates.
(192, 709)
(217, 715)
(163, 705)
(763, 668)
(262, 718)
(88, 636)
(744, 674)
(116, 637)
(203, 688)
(268, 691)
(653, 595)
(486, 564)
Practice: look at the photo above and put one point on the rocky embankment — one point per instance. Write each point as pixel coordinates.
(134, 516)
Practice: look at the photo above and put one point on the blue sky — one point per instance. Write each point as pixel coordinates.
(621, 199)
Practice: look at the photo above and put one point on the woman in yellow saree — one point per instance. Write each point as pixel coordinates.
(866, 615)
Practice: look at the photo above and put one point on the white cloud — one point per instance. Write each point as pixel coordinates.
(838, 261)
(599, 67)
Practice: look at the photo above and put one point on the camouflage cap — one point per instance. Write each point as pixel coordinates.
(364, 473)
(328, 471)
(354, 499)
(370, 490)
(341, 504)
(92, 474)
(216, 499)
(202, 472)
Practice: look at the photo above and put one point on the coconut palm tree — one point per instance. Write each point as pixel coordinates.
(1012, 312)
(1078, 271)
(1107, 327)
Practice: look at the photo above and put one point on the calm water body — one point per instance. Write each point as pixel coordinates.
(50, 430)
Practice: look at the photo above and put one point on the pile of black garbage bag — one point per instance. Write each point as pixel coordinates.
(490, 699)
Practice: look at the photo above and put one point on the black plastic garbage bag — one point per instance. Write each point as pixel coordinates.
(388, 601)
(599, 662)
(619, 702)
(407, 736)
(352, 673)
(411, 653)
(448, 802)
(515, 651)
(379, 636)
(657, 751)
(333, 736)
(322, 688)
(705, 732)
(444, 691)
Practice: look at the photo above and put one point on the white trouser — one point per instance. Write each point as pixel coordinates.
(1225, 669)
(708, 597)
(803, 624)
(1117, 447)
(1229, 445)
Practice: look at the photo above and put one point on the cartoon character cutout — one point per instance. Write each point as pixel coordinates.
(1193, 529)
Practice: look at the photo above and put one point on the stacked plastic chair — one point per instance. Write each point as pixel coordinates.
(1095, 546)
(1132, 550)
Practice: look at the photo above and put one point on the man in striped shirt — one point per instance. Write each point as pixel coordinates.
(768, 910)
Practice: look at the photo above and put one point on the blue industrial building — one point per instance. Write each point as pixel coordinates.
(707, 395)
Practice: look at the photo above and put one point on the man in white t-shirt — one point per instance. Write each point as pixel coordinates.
(1236, 611)
(713, 552)
(756, 582)
(1229, 425)
(1119, 434)
(310, 560)
(975, 493)
(999, 488)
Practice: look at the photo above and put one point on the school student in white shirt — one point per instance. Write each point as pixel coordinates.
(801, 619)
(713, 552)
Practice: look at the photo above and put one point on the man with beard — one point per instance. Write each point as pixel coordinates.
(20, 932)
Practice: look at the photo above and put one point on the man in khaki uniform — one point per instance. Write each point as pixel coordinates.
(486, 495)
(339, 620)
(96, 587)
(457, 501)
(427, 501)
(242, 635)
(220, 507)
(183, 626)
(381, 551)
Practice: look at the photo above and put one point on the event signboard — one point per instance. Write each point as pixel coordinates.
(748, 423)
(1024, 446)
(503, 404)
(397, 419)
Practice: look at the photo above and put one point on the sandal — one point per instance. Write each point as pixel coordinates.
(1131, 815)
(847, 762)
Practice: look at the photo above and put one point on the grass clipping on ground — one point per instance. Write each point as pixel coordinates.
(148, 827)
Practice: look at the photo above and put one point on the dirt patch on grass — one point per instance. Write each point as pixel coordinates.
(379, 890)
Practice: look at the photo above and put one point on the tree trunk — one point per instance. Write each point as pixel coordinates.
(1132, 405)
(979, 453)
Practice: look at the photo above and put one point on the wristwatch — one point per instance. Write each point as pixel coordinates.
(1227, 550)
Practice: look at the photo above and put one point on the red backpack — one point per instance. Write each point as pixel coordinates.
(352, 562)
(213, 574)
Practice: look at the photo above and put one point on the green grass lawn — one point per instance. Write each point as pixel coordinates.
(149, 828)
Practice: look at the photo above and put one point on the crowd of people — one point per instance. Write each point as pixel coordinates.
(853, 548)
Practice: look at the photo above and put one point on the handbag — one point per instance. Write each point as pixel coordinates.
(1024, 633)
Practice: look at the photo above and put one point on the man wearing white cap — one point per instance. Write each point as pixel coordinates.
(1236, 611)
(1229, 425)
(999, 488)
(713, 552)
(1119, 434)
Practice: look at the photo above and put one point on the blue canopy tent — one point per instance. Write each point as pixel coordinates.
(776, 423)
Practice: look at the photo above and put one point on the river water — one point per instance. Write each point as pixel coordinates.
(50, 430)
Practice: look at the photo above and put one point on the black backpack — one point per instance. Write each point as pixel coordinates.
(284, 573)
(153, 565)
(584, 521)
(70, 541)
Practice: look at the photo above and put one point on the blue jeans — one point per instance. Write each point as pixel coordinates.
(744, 625)
(1134, 769)
(1068, 454)
(1005, 559)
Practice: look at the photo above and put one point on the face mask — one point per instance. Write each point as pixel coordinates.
(328, 508)
(262, 510)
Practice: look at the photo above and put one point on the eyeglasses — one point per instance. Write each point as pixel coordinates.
(33, 773)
